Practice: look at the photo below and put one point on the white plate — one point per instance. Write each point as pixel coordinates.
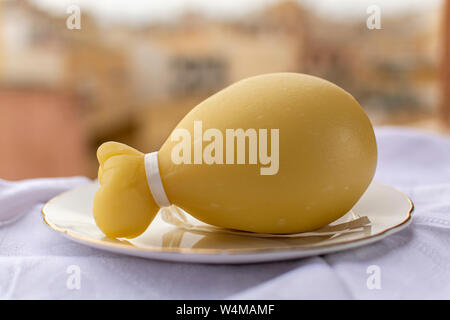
(70, 213)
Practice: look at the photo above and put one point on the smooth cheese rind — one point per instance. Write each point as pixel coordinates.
(327, 156)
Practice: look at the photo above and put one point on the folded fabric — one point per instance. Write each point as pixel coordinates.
(38, 263)
(16, 197)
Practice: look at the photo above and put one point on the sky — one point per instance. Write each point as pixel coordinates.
(157, 10)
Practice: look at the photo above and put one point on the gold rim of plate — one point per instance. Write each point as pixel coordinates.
(123, 244)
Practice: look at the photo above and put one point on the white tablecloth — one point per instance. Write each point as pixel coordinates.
(37, 263)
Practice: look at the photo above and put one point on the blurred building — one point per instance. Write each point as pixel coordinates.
(33, 52)
(40, 131)
(98, 74)
(177, 67)
(402, 75)
(40, 135)
(445, 66)
(63, 92)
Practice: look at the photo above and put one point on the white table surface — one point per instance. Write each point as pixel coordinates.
(38, 263)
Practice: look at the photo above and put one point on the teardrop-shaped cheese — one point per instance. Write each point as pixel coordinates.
(305, 154)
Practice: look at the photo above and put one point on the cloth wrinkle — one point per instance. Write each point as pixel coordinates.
(38, 263)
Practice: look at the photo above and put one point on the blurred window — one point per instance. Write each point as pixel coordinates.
(197, 75)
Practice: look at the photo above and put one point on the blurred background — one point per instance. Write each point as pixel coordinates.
(135, 68)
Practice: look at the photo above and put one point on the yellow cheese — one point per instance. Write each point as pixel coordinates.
(324, 161)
